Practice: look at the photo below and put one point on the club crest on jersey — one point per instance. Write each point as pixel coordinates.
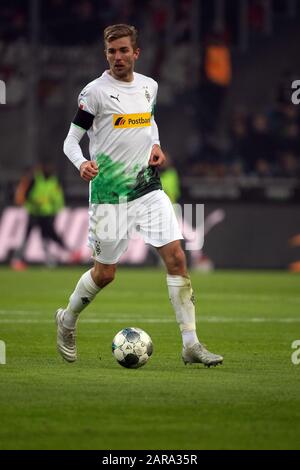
(122, 121)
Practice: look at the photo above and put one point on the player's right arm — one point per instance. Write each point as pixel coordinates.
(81, 123)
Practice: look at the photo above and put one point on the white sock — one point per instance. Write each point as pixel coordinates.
(85, 291)
(182, 298)
(189, 338)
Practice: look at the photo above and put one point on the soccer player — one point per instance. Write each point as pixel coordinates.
(117, 112)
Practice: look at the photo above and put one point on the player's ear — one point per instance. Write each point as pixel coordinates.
(105, 49)
(137, 53)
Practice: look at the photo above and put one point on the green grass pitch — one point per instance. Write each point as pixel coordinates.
(251, 402)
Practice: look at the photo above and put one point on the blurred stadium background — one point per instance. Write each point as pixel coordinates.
(225, 69)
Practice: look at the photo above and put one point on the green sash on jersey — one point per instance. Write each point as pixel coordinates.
(113, 185)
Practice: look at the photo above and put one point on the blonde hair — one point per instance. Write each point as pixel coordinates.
(117, 31)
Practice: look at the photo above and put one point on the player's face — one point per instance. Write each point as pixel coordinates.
(121, 58)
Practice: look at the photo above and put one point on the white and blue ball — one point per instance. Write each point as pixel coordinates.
(132, 347)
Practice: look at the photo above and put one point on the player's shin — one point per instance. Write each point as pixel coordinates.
(182, 298)
(85, 291)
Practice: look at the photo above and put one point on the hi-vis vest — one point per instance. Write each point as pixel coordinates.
(45, 198)
(170, 183)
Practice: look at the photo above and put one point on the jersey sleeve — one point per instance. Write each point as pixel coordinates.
(71, 145)
(88, 107)
(154, 128)
(154, 132)
(88, 100)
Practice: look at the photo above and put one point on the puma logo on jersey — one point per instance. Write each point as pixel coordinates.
(122, 121)
(115, 97)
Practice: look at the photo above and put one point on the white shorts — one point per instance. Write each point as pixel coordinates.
(112, 225)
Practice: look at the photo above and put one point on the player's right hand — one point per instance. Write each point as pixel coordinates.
(88, 170)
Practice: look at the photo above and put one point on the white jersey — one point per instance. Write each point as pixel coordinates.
(121, 136)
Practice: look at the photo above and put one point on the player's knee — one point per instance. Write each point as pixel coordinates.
(104, 276)
(177, 262)
(107, 278)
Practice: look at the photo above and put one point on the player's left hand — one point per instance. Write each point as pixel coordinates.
(157, 157)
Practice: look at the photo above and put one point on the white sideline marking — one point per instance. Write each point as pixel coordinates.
(100, 320)
(18, 312)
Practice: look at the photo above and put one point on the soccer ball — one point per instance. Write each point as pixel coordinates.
(132, 347)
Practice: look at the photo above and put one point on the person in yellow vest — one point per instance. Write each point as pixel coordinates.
(170, 180)
(41, 194)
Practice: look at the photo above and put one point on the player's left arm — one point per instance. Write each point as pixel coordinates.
(157, 157)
